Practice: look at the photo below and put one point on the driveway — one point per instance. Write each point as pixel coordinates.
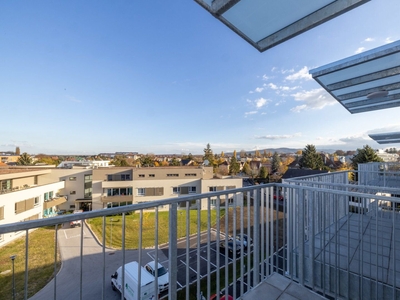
(68, 278)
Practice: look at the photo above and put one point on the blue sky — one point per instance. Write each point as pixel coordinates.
(84, 77)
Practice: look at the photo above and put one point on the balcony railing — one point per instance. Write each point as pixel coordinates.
(305, 232)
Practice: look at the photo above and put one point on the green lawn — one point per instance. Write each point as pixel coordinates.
(148, 233)
(40, 263)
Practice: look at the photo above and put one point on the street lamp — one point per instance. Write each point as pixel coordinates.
(111, 230)
(13, 276)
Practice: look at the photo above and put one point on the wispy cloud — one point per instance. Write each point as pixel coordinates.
(389, 40)
(300, 75)
(359, 50)
(249, 113)
(369, 39)
(313, 99)
(257, 90)
(73, 99)
(278, 137)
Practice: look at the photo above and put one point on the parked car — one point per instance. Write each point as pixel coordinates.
(229, 245)
(247, 241)
(222, 297)
(76, 222)
(163, 276)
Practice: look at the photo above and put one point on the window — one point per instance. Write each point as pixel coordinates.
(141, 175)
(5, 184)
(212, 188)
(37, 201)
(46, 196)
(51, 194)
(192, 189)
(24, 205)
(88, 186)
(125, 177)
(72, 192)
(172, 175)
(2, 213)
(72, 179)
(191, 175)
(72, 207)
(176, 190)
(141, 191)
(213, 202)
(1, 238)
(152, 175)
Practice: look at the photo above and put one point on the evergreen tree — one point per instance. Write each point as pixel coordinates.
(276, 162)
(246, 169)
(208, 155)
(263, 173)
(311, 159)
(364, 155)
(147, 161)
(24, 159)
(174, 162)
(234, 166)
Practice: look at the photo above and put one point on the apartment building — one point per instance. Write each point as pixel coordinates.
(26, 194)
(120, 186)
(37, 192)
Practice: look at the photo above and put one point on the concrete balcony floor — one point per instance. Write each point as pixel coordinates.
(279, 287)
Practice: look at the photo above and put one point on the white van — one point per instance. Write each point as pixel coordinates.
(131, 284)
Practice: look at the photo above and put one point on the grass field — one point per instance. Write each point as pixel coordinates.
(148, 227)
(40, 263)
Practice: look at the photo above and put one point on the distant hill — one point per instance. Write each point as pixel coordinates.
(282, 150)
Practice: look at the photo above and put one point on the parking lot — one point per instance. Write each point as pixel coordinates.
(192, 263)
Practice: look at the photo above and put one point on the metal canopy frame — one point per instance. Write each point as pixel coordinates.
(386, 138)
(364, 82)
(244, 16)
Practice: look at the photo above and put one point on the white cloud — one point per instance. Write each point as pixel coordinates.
(261, 102)
(257, 90)
(359, 50)
(388, 40)
(273, 86)
(302, 74)
(313, 99)
(287, 71)
(265, 77)
(248, 113)
(369, 39)
(278, 137)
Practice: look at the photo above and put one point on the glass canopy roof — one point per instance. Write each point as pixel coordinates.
(265, 24)
(386, 138)
(364, 82)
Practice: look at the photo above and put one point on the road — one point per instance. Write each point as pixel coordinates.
(68, 278)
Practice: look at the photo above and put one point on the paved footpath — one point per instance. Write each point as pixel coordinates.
(68, 279)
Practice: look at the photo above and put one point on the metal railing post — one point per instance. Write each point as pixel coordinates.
(173, 251)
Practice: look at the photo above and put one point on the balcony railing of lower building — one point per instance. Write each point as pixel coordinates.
(310, 235)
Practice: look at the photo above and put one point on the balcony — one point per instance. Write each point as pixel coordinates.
(54, 202)
(314, 242)
(117, 198)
